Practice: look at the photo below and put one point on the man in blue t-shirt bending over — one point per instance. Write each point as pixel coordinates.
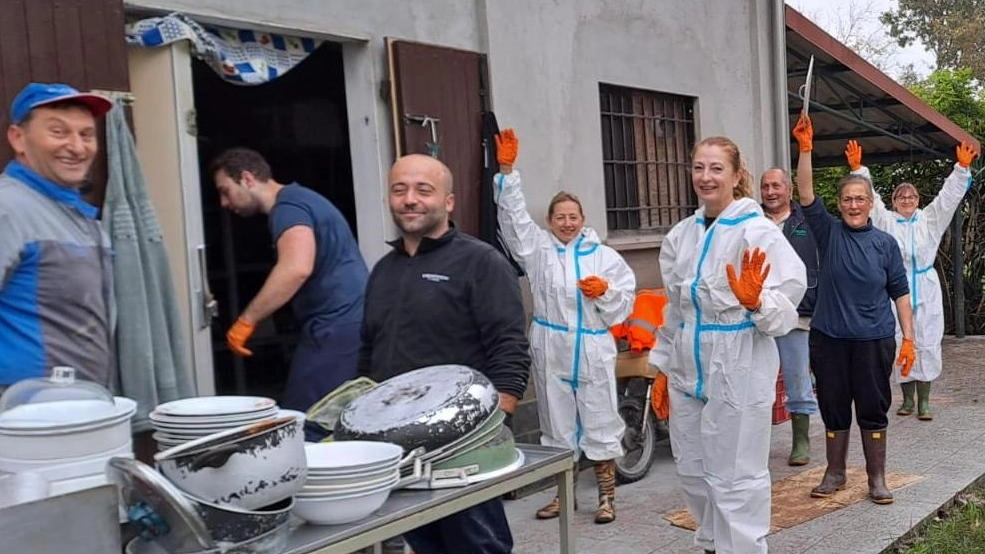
(318, 266)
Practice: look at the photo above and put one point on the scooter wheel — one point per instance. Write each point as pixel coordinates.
(640, 445)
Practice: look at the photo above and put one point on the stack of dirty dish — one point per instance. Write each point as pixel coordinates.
(347, 480)
(189, 419)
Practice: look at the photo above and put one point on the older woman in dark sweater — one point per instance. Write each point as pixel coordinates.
(852, 340)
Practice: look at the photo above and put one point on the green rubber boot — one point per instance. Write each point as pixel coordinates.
(800, 453)
(906, 408)
(923, 401)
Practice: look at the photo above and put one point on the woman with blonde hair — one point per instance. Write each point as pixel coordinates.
(716, 347)
(580, 288)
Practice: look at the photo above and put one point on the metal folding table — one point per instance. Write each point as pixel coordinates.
(408, 509)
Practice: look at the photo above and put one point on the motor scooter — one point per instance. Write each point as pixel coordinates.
(644, 431)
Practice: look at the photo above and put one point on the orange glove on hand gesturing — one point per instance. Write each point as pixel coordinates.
(803, 131)
(853, 153)
(965, 155)
(660, 397)
(238, 334)
(507, 147)
(907, 357)
(593, 286)
(749, 285)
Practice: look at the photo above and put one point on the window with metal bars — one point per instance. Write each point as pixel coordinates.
(646, 154)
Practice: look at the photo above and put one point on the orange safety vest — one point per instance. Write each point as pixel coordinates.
(640, 330)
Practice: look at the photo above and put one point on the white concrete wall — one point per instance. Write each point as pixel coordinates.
(546, 60)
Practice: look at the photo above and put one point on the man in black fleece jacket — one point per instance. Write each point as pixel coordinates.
(444, 297)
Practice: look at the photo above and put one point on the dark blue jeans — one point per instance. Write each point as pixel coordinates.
(481, 529)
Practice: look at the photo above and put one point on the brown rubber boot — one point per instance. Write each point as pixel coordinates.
(605, 474)
(551, 510)
(836, 449)
(874, 446)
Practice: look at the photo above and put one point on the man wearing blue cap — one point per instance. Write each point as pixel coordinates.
(56, 290)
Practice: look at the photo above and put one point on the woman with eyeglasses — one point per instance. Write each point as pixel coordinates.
(580, 288)
(918, 233)
(852, 338)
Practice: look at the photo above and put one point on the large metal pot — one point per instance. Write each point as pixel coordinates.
(247, 467)
(428, 407)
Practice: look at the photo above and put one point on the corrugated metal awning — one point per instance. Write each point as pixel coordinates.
(852, 99)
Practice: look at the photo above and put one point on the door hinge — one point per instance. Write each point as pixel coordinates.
(191, 122)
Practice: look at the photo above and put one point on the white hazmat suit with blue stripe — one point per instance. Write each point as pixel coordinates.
(722, 366)
(919, 237)
(573, 355)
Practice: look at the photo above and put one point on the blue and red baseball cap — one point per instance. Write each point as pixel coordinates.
(40, 94)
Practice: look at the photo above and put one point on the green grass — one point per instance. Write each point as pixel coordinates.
(960, 531)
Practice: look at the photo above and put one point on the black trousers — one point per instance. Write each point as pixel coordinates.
(849, 371)
(481, 529)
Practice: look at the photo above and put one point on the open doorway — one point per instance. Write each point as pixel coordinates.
(298, 122)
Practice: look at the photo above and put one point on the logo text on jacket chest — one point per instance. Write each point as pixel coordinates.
(435, 277)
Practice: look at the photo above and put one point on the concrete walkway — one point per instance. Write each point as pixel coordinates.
(949, 452)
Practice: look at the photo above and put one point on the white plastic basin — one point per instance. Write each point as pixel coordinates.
(336, 510)
(345, 456)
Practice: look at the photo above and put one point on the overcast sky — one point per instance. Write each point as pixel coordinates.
(831, 15)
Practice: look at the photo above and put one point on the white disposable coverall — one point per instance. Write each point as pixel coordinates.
(919, 237)
(573, 354)
(722, 363)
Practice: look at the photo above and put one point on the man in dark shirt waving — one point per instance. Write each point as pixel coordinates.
(443, 297)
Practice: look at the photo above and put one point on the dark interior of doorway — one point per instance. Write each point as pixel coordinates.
(298, 122)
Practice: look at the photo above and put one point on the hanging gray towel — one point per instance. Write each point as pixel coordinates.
(152, 354)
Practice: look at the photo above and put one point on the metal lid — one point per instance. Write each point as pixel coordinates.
(419, 395)
(166, 515)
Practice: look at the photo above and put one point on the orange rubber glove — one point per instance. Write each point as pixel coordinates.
(965, 155)
(803, 131)
(907, 357)
(238, 334)
(853, 153)
(749, 286)
(507, 147)
(593, 286)
(659, 397)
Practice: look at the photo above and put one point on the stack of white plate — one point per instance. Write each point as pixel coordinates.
(347, 480)
(188, 419)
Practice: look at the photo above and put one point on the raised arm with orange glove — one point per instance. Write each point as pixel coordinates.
(238, 334)
(965, 155)
(507, 148)
(593, 286)
(907, 357)
(803, 131)
(853, 153)
(748, 286)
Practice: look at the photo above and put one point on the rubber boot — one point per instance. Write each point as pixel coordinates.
(923, 401)
(605, 474)
(874, 446)
(800, 452)
(906, 408)
(836, 450)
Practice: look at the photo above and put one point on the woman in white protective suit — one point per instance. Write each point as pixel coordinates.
(717, 350)
(918, 233)
(580, 288)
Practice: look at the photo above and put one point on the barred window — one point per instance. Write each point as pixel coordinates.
(646, 153)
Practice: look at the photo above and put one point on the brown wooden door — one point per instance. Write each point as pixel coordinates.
(78, 42)
(447, 85)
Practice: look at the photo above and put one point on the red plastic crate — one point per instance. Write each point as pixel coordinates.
(780, 413)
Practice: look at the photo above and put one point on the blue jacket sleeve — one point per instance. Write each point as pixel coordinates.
(820, 222)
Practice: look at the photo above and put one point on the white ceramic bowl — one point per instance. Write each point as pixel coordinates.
(344, 457)
(59, 440)
(336, 510)
(310, 490)
(315, 479)
(248, 467)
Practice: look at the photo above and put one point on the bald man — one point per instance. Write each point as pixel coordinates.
(444, 297)
(776, 191)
